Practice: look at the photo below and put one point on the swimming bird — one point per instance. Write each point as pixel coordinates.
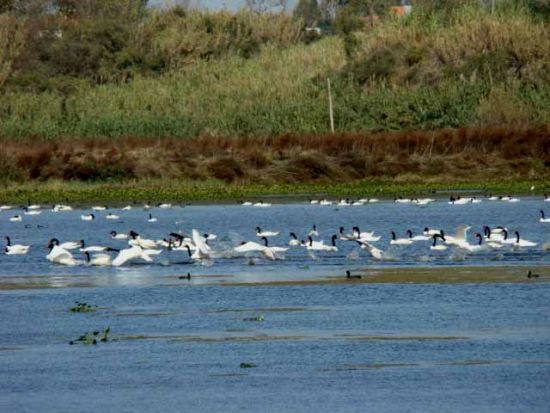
(31, 212)
(88, 217)
(94, 248)
(352, 277)
(313, 232)
(16, 249)
(399, 241)
(99, 260)
(523, 242)
(115, 235)
(366, 236)
(260, 233)
(435, 246)
(60, 255)
(320, 245)
(136, 240)
(293, 242)
(543, 218)
(417, 237)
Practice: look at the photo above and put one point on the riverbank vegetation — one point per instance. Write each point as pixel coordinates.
(120, 69)
(114, 93)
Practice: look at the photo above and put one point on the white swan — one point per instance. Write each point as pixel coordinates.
(141, 242)
(31, 212)
(16, 249)
(130, 255)
(260, 233)
(202, 249)
(523, 242)
(99, 260)
(59, 255)
(313, 232)
(417, 237)
(293, 242)
(115, 235)
(543, 218)
(62, 208)
(376, 253)
(320, 245)
(399, 241)
(88, 217)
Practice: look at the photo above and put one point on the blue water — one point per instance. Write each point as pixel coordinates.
(178, 346)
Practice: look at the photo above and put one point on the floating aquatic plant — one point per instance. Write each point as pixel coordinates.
(83, 308)
(259, 318)
(92, 338)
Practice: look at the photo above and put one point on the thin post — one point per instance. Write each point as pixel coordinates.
(331, 114)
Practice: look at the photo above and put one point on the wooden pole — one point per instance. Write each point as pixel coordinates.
(330, 111)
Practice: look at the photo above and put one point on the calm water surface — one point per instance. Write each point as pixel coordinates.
(178, 345)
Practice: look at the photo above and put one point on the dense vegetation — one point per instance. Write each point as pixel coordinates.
(118, 68)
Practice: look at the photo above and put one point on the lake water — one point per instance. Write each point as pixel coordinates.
(178, 345)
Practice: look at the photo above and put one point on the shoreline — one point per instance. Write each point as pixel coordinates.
(391, 275)
(213, 192)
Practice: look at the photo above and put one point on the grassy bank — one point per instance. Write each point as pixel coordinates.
(154, 191)
(176, 74)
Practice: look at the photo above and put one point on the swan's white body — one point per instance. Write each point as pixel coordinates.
(115, 235)
(62, 208)
(16, 249)
(99, 260)
(202, 249)
(130, 255)
(60, 255)
(260, 233)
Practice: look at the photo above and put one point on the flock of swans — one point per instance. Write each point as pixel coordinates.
(196, 246)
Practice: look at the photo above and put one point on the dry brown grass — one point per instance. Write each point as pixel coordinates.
(476, 153)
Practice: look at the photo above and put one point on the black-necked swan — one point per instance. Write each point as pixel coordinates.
(417, 237)
(115, 235)
(435, 246)
(293, 242)
(260, 233)
(320, 245)
(399, 241)
(59, 255)
(16, 249)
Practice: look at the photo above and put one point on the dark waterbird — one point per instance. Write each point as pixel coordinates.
(352, 277)
(531, 274)
(185, 277)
